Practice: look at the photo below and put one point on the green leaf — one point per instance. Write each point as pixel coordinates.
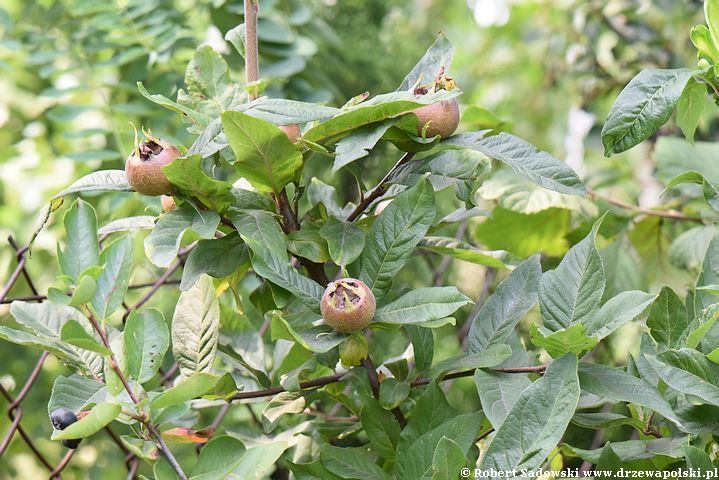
(218, 458)
(619, 386)
(264, 155)
(75, 392)
(668, 319)
(85, 290)
(75, 334)
(393, 392)
(489, 357)
(359, 143)
(537, 420)
(524, 235)
(422, 305)
(702, 39)
(689, 372)
(112, 283)
(350, 463)
(448, 460)
(197, 118)
(218, 258)
(345, 240)
(632, 450)
(189, 178)
(571, 339)
(497, 393)
(287, 112)
(618, 310)
(195, 327)
(690, 107)
(417, 460)
(318, 339)
(377, 109)
(100, 415)
(281, 404)
(464, 251)
(140, 222)
(193, 386)
(438, 55)
(698, 460)
(381, 428)
(162, 245)
(430, 411)
(572, 291)
(711, 14)
(509, 303)
(710, 189)
(423, 346)
(258, 461)
(644, 105)
(102, 181)
(394, 235)
(308, 243)
(524, 158)
(146, 341)
(81, 248)
(311, 471)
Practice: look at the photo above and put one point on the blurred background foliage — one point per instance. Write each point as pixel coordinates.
(545, 70)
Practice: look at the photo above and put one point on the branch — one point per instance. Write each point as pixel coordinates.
(147, 422)
(379, 190)
(671, 214)
(252, 65)
(374, 382)
(322, 381)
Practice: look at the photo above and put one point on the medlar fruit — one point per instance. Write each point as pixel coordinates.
(292, 131)
(168, 203)
(144, 166)
(441, 118)
(348, 305)
(61, 419)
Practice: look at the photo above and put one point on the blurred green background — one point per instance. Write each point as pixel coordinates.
(547, 70)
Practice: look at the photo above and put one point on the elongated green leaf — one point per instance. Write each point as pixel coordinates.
(218, 458)
(668, 319)
(537, 420)
(574, 290)
(75, 334)
(102, 181)
(394, 235)
(162, 245)
(287, 112)
(100, 415)
(498, 392)
(81, 248)
(509, 303)
(524, 158)
(709, 188)
(281, 404)
(644, 105)
(393, 392)
(464, 251)
(193, 386)
(195, 327)
(631, 450)
(618, 310)
(75, 392)
(146, 341)
(359, 143)
(421, 305)
(350, 463)
(689, 372)
(264, 155)
(571, 339)
(690, 107)
(112, 283)
(217, 257)
(438, 55)
(188, 177)
(448, 460)
(258, 461)
(345, 240)
(140, 222)
(381, 428)
(619, 386)
(491, 357)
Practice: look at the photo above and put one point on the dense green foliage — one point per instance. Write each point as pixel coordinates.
(531, 312)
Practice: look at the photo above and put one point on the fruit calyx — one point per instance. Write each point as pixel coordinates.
(439, 118)
(348, 305)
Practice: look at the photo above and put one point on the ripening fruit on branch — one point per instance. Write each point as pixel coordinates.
(292, 131)
(168, 203)
(348, 305)
(61, 419)
(143, 167)
(440, 118)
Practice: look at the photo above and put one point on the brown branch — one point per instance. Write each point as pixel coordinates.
(671, 214)
(252, 65)
(378, 190)
(147, 422)
(374, 382)
(322, 381)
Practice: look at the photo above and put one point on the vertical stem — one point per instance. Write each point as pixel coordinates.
(252, 65)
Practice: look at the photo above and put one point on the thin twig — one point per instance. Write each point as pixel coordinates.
(374, 382)
(379, 190)
(671, 214)
(148, 423)
(252, 65)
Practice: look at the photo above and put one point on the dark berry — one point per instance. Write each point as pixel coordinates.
(62, 418)
(72, 444)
